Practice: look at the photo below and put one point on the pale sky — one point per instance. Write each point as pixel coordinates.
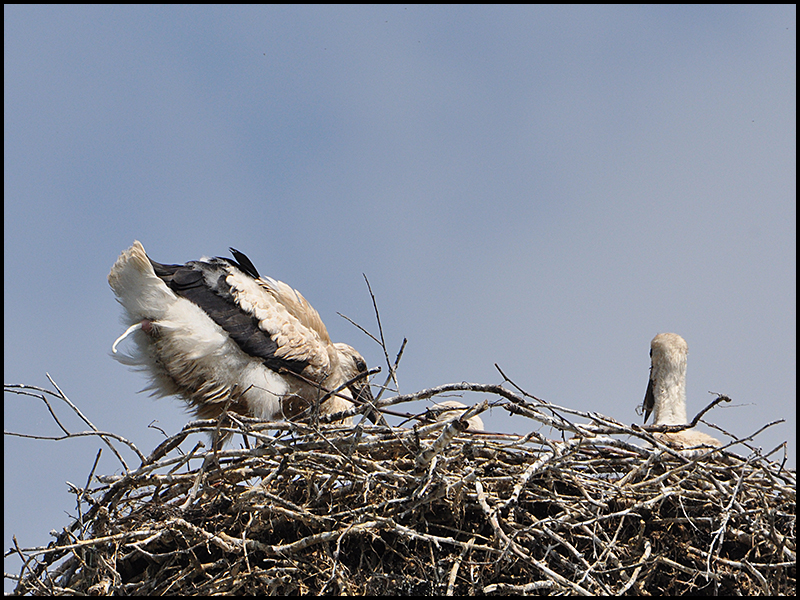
(545, 188)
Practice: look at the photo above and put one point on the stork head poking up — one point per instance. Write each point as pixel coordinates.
(666, 392)
(214, 331)
(447, 409)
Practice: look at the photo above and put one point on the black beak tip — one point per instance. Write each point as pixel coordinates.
(364, 396)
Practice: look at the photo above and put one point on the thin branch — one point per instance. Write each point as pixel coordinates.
(717, 400)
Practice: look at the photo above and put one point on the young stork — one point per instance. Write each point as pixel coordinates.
(666, 392)
(214, 330)
(448, 409)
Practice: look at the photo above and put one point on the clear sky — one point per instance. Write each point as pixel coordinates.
(545, 188)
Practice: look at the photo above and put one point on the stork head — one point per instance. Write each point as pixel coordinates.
(352, 364)
(666, 390)
(474, 423)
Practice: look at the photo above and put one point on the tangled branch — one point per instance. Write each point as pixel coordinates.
(591, 507)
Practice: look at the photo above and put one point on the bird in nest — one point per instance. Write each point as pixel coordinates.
(216, 333)
(666, 392)
(447, 409)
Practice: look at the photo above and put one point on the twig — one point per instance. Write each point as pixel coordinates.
(717, 400)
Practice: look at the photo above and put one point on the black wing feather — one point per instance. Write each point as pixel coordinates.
(203, 283)
(245, 264)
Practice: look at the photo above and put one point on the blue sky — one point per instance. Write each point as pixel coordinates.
(545, 188)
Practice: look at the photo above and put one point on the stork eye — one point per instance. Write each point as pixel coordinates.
(361, 366)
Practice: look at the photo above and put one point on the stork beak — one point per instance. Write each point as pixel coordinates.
(363, 394)
(649, 401)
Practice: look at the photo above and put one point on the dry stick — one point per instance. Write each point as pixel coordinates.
(380, 331)
(452, 387)
(550, 406)
(719, 535)
(90, 424)
(392, 375)
(363, 330)
(521, 391)
(392, 369)
(21, 389)
(166, 447)
(648, 549)
(693, 423)
(26, 560)
(757, 432)
(719, 398)
(451, 580)
(518, 550)
(522, 590)
(85, 490)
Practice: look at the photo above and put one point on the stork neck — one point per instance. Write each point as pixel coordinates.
(670, 402)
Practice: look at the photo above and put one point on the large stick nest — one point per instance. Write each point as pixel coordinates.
(312, 508)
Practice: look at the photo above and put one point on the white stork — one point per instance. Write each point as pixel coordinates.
(214, 330)
(666, 391)
(446, 410)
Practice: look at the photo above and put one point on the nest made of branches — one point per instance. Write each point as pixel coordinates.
(433, 509)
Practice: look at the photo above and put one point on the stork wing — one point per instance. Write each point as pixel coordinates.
(260, 325)
(292, 300)
(296, 305)
(287, 325)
